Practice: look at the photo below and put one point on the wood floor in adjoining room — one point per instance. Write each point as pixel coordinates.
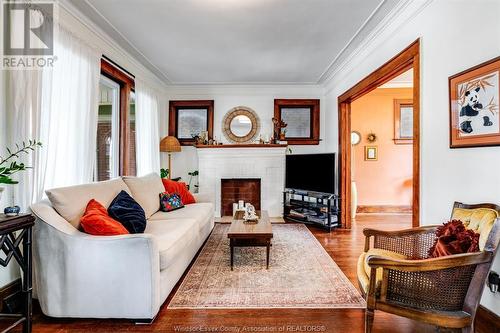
(344, 246)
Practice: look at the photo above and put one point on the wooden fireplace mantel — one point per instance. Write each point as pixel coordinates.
(243, 145)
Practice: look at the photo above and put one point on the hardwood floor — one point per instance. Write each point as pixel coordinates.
(344, 246)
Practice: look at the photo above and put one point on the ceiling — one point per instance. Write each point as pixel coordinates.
(404, 80)
(237, 41)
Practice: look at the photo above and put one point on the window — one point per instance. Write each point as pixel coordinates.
(108, 130)
(403, 121)
(188, 119)
(302, 119)
(131, 139)
(116, 124)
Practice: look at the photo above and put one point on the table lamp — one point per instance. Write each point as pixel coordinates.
(170, 144)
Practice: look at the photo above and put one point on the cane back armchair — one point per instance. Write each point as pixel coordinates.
(397, 276)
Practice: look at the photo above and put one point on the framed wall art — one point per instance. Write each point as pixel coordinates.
(474, 99)
(371, 153)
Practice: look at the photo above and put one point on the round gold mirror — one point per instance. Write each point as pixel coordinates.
(241, 125)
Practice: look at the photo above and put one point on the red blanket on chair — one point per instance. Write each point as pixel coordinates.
(454, 238)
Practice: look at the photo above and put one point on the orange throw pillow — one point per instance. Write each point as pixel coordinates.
(96, 221)
(180, 188)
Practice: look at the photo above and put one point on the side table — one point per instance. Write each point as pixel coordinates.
(10, 244)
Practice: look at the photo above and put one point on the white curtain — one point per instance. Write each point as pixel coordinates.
(147, 105)
(57, 106)
(23, 119)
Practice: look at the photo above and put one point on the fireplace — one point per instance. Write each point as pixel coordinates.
(234, 189)
(233, 163)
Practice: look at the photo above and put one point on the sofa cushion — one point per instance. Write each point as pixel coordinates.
(172, 236)
(96, 221)
(70, 202)
(145, 191)
(479, 220)
(128, 212)
(197, 211)
(364, 270)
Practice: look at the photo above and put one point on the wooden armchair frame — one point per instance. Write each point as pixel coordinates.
(442, 291)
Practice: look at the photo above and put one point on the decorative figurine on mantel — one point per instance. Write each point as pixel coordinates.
(278, 125)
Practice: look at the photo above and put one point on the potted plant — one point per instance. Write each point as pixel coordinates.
(283, 135)
(192, 174)
(10, 164)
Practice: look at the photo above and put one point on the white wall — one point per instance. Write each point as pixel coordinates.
(445, 28)
(258, 98)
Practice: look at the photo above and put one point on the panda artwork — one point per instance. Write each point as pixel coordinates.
(472, 113)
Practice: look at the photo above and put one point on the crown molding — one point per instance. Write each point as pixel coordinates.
(407, 8)
(288, 90)
(383, 15)
(86, 14)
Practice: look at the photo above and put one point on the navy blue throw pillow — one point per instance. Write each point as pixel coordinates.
(128, 212)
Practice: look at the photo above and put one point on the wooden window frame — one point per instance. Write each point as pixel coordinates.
(127, 84)
(313, 104)
(189, 104)
(398, 103)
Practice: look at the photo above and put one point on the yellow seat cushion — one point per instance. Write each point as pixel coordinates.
(363, 270)
(479, 220)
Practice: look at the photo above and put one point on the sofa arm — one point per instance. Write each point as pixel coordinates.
(204, 197)
(79, 275)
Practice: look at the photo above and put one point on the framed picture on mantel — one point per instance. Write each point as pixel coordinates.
(474, 100)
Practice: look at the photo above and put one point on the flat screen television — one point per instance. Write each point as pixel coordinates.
(311, 172)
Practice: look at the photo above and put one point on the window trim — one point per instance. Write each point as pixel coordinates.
(127, 84)
(314, 105)
(398, 103)
(187, 104)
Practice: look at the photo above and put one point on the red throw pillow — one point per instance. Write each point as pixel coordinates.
(96, 221)
(180, 188)
(454, 238)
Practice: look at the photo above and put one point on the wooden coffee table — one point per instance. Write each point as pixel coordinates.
(250, 234)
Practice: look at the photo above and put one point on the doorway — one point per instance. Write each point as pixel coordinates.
(407, 59)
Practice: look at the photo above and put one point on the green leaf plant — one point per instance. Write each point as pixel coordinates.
(10, 165)
(192, 174)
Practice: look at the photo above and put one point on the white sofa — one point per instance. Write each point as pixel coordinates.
(127, 276)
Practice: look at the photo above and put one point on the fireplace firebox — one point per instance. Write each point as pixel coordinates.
(235, 189)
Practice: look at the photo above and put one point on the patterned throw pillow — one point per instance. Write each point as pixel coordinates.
(170, 201)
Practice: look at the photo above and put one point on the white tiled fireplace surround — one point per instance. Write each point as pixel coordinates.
(265, 163)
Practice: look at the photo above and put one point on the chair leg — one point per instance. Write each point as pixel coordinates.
(369, 315)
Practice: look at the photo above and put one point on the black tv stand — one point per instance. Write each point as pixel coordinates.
(321, 209)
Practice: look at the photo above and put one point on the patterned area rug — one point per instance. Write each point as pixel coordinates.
(301, 275)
